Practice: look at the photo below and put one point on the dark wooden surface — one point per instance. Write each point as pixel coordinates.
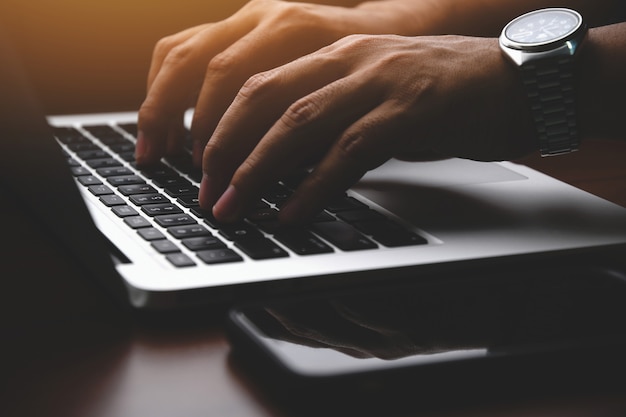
(65, 352)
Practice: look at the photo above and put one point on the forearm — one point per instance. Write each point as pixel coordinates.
(602, 83)
(476, 17)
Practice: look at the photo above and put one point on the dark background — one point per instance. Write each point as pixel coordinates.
(85, 55)
(89, 56)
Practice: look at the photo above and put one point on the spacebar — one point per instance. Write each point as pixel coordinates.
(342, 235)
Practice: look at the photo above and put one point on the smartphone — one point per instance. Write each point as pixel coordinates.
(552, 327)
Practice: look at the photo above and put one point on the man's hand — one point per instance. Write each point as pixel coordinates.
(205, 66)
(351, 106)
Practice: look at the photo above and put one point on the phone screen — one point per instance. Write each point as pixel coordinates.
(441, 321)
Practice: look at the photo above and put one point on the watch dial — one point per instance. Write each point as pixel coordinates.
(542, 26)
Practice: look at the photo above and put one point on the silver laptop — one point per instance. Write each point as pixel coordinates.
(141, 232)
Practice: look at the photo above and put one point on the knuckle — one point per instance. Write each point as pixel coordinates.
(221, 63)
(302, 112)
(350, 145)
(361, 148)
(257, 85)
(164, 45)
(178, 55)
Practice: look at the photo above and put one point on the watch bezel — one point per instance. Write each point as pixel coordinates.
(570, 40)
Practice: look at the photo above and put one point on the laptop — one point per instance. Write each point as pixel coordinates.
(140, 232)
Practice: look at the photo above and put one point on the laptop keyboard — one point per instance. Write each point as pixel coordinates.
(160, 203)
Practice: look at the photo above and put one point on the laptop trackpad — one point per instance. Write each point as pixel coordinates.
(437, 194)
(442, 174)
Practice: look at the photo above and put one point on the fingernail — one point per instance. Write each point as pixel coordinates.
(228, 205)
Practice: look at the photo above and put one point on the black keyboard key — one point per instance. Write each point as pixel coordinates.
(99, 189)
(124, 211)
(141, 199)
(134, 189)
(70, 161)
(136, 222)
(103, 163)
(122, 146)
(104, 133)
(180, 260)
(160, 209)
(217, 256)
(264, 214)
(164, 246)
(150, 233)
(130, 128)
(170, 220)
(92, 154)
(113, 171)
(78, 170)
(390, 234)
(127, 156)
(169, 180)
(342, 235)
(262, 248)
(88, 180)
(302, 242)
(202, 213)
(159, 170)
(177, 190)
(189, 200)
(239, 231)
(111, 200)
(68, 135)
(203, 243)
(187, 231)
(85, 145)
(125, 180)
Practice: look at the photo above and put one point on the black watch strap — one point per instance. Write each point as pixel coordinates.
(550, 88)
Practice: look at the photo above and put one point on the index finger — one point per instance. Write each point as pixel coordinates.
(178, 79)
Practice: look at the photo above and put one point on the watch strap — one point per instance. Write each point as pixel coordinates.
(550, 88)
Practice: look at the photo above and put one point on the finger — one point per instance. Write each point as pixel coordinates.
(307, 128)
(260, 50)
(165, 45)
(179, 78)
(261, 101)
(241, 129)
(365, 145)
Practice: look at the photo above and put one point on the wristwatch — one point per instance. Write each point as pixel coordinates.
(543, 44)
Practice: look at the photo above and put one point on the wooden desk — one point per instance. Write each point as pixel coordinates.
(73, 357)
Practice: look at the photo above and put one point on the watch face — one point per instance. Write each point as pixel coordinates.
(543, 26)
